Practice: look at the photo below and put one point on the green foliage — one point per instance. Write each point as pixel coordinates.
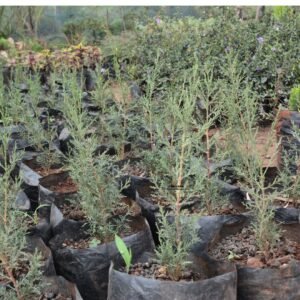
(49, 158)
(116, 27)
(90, 30)
(31, 284)
(4, 44)
(194, 73)
(95, 31)
(282, 13)
(261, 49)
(42, 140)
(124, 251)
(35, 217)
(119, 121)
(35, 133)
(12, 235)
(148, 105)
(99, 192)
(240, 107)
(73, 31)
(294, 101)
(130, 20)
(239, 103)
(102, 92)
(15, 108)
(94, 243)
(34, 45)
(177, 161)
(77, 121)
(175, 44)
(174, 248)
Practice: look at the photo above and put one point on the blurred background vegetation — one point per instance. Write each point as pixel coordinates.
(263, 39)
(56, 26)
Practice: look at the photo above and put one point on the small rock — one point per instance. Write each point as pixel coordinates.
(50, 295)
(252, 250)
(64, 135)
(162, 270)
(162, 276)
(291, 250)
(283, 266)
(3, 54)
(135, 91)
(254, 262)
(22, 201)
(186, 275)
(274, 263)
(284, 259)
(11, 41)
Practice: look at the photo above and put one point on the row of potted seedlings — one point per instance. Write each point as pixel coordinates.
(182, 243)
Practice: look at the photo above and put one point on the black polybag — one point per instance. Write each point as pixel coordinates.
(290, 140)
(252, 283)
(140, 190)
(123, 287)
(269, 284)
(89, 268)
(52, 284)
(47, 196)
(222, 277)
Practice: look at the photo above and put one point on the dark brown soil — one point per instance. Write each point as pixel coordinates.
(242, 249)
(155, 271)
(52, 296)
(35, 166)
(134, 170)
(225, 209)
(18, 272)
(229, 210)
(67, 186)
(21, 271)
(73, 211)
(45, 171)
(129, 206)
(134, 225)
(80, 244)
(29, 222)
(287, 202)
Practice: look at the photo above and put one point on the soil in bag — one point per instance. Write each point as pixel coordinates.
(220, 278)
(88, 266)
(261, 277)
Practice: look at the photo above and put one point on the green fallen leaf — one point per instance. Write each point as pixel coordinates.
(124, 251)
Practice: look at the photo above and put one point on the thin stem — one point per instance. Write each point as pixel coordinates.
(178, 190)
(11, 276)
